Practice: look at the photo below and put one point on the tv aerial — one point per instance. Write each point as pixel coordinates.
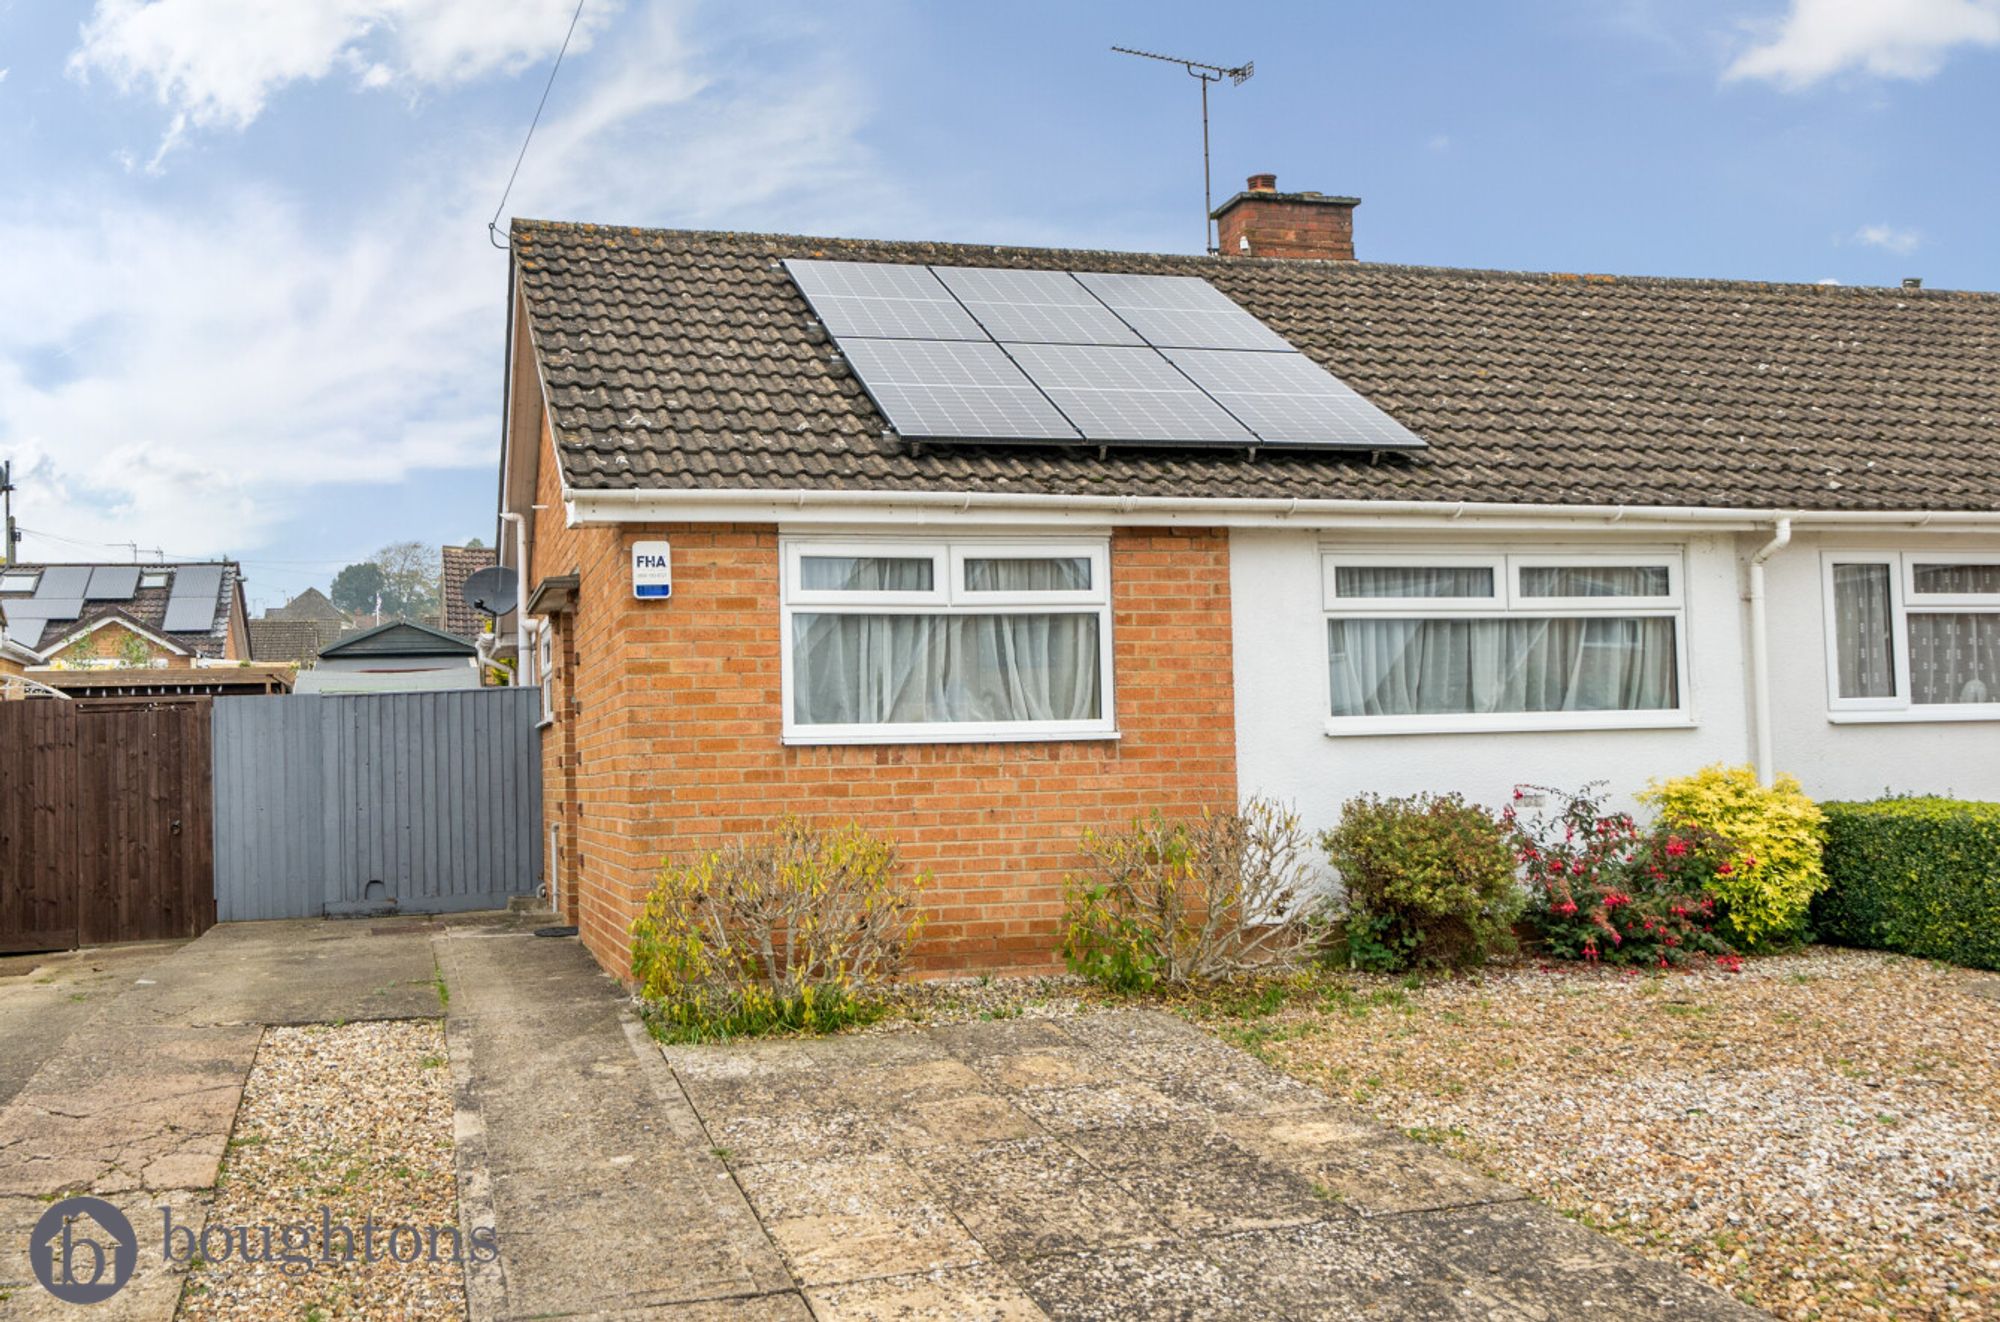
(1205, 74)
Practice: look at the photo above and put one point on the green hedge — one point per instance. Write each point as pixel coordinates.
(1921, 876)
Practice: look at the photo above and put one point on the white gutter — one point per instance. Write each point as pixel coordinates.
(1760, 652)
(520, 594)
(922, 507)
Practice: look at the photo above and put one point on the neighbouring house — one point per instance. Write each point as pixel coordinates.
(102, 617)
(401, 656)
(14, 659)
(237, 679)
(298, 630)
(459, 564)
(796, 539)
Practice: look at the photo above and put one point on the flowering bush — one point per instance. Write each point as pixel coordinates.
(1429, 882)
(793, 930)
(1766, 885)
(1172, 901)
(1602, 888)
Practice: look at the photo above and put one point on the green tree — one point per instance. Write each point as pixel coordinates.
(355, 588)
(410, 573)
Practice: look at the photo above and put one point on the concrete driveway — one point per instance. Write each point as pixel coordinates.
(45, 998)
(1118, 1165)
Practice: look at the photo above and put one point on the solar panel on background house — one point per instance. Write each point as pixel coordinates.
(63, 582)
(191, 603)
(882, 301)
(112, 583)
(1288, 399)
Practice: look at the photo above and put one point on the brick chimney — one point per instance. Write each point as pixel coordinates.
(1262, 222)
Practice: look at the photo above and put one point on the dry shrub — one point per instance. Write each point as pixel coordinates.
(1171, 901)
(791, 930)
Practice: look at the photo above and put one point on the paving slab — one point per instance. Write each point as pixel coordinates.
(850, 1220)
(45, 998)
(1034, 1196)
(151, 1293)
(959, 1294)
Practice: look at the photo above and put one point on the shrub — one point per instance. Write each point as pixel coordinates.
(1767, 883)
(1170, 901)
(1918, 875)
(1600, 887)
(1430, 882)
(792, 930)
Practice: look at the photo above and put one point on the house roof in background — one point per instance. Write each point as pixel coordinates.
(461, 563)
(291, 639)
(121, 590)
(399, 638)
(687, 360)
(312, 604)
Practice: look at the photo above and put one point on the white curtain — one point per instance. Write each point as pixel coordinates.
(1594, 581)
(1955, 578)
(866, 573)
(1412, 581)
(1954, 657)
(1424, 667)
(1048, 574)
(1862, 619)
(879, 669)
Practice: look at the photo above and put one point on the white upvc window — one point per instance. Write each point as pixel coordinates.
(934, 641)
(544, 668)
(1498, 641)
(1912, 635)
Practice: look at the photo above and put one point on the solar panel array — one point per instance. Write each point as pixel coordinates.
(954, 353)
(191, 604)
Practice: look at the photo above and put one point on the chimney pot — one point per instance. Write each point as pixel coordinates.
(1263, 183)
(1913, 282)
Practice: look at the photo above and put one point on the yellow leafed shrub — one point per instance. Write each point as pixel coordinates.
(1775, 833)
(793, 930)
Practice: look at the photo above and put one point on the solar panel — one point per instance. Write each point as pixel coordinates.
(59, 608)
(1039, 307)
(62, 582)
(112, 583)
(882, 301)
(1115, 393)
(24, 623)
(1286, 398)
(954, 390)
(191, 604)
(1181, 311)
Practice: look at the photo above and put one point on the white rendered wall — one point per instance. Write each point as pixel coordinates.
(1282, 692)
(1860, 761)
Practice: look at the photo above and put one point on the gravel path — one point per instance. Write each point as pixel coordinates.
(350, 1123)
(1819, 1133)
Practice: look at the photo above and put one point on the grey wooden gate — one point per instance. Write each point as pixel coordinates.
(416, 802)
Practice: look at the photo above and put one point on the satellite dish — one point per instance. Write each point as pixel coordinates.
(491, 591)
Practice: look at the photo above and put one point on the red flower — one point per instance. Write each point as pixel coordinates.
(1724, 868)
(1676, 846)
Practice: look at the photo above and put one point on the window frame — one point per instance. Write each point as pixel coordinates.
(948, 596)
(1509, 603)
(1904, 601)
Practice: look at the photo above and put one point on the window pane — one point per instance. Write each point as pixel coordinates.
(1955, 578)
(1954, 658)
(1412, 581)
(866, 573)
(1058, 574)
(881, 669)
(1594, 581)
(1862, 619)
(1424, 667)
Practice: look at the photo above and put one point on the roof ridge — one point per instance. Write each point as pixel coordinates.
(1308, 263)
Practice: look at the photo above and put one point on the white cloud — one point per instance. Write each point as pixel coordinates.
(1819, 39)
(191, 374)
(1889, 238)
(217, 63)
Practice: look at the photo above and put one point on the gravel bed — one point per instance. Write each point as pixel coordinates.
(1817, 1133)
(354, 1123)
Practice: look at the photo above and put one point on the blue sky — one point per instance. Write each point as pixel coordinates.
(252, 310)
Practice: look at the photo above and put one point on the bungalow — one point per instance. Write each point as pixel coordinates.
(793, 538)
(110, 616)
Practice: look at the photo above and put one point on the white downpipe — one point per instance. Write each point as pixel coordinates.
(1760, 652)
(520, 594)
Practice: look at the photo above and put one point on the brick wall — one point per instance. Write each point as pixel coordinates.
(110, 641)
(668, 743)
(1286, 225)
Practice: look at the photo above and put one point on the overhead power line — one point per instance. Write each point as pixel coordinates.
(493, 225)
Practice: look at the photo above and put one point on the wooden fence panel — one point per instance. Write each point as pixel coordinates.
(105, 830)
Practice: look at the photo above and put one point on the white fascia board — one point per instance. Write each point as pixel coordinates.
(907, 509)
